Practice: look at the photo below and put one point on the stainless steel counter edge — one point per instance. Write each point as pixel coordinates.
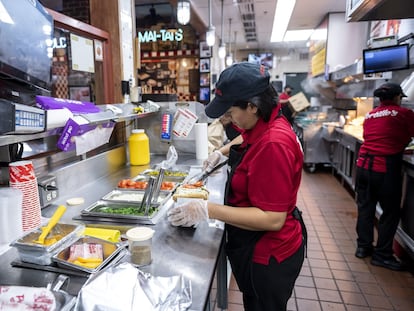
(191, 252)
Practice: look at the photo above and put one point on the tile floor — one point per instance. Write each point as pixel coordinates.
(332, 278)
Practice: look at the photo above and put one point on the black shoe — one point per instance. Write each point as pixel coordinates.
(389, 263)
(362, 252)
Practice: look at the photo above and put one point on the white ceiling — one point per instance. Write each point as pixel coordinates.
(306, 14)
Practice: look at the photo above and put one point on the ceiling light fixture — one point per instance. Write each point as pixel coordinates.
(283, 12)
(211, 31)
(297, 35)
(222, 47)
(183, 11)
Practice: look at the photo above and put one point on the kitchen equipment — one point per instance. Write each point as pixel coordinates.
(110, 251)
(200, 177)
(146, 200)
(41, 254)
(104, 211)
(133, 196)
(157, 186)
(16, 118)
(52, 222)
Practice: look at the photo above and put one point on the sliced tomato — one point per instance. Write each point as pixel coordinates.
(123, 183)
(140, 185)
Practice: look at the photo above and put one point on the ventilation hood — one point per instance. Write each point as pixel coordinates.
(369, 10)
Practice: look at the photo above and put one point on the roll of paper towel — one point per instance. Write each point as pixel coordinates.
(11, 226)
(58, 117)
(201, 141)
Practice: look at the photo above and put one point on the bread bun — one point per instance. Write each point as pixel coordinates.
(195, 193)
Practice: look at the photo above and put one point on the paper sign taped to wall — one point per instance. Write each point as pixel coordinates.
(299, 102)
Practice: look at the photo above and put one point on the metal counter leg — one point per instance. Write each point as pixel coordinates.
(222, 290)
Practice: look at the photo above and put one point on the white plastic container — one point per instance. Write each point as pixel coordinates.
(140, 245)
(11, 223)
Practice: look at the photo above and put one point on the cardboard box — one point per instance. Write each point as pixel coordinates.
(298, 102)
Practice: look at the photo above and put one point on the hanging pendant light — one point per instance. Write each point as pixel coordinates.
(183, 11)
(222, 47)
(211, 31)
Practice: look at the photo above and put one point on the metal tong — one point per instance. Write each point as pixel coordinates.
(152, 191)
(145, 203)
(204, 174)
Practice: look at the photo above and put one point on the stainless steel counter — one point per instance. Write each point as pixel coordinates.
(194, 253)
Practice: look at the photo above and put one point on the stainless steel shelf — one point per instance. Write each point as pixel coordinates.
(93, 118)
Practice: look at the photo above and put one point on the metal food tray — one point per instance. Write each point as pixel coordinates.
(110, 251)
(93, 210)
(168, 174)
(177, 183)
(68, 231)
(115, 196)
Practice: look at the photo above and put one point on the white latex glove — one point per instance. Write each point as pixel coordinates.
(213, 159)
(188, 214)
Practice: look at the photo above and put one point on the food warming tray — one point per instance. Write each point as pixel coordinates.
(177, 174)
(133, 196)
(99, 212)
(110, 251)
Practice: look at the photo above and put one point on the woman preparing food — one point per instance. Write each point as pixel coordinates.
(265, 231)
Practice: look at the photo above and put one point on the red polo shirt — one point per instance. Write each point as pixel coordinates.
(283, 95)
(387, 130)
(268, 178)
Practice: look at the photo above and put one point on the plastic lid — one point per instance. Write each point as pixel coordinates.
(139, 234)
(137, 131)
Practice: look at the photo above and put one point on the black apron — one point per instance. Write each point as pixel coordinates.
(240, 242)
(393, 165)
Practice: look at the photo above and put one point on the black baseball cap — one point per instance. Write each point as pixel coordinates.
(389, 89)
(239, 82)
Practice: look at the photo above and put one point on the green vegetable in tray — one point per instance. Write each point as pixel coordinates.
(125, 210)
(169, 173)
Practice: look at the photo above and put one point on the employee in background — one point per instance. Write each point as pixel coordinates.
(388, 129)
(265, 232)
(220, 132)
(284, 101)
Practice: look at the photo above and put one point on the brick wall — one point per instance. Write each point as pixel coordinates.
(77, 9)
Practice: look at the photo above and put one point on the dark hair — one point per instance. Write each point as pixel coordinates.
(265, 102)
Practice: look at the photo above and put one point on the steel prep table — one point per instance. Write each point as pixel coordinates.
(197, 254)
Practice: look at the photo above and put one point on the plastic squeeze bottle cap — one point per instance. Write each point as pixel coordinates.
(137, 131)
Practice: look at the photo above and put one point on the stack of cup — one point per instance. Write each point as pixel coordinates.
(22, 176)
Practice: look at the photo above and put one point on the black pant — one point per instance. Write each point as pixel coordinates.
(274, 283)
(385, 188)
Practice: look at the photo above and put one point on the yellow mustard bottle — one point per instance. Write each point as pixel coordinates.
(139, 150)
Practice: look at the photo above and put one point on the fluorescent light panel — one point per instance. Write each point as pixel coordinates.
(283, 12)
(298, 35)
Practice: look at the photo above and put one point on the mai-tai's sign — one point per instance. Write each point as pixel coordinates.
(162, 34)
